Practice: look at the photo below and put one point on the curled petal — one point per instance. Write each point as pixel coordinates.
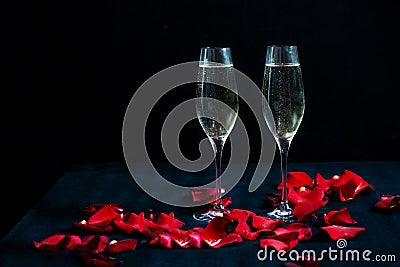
(339, 217)
(304, 211)
(323, 183)
(336, 231)
(133, 223)
(304, 194)
(195, 239)
(216, 229)
(229, 239)
(103, 216)
(95, 243)
(121, 246)
(265, 223)
(297, 180)
(93, 208)
(304, 230)
(388, 203)
(239, 215)
(58, 242)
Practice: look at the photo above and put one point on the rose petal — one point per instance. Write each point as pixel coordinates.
(216, 229)
(121, 246)
(133, 223)
(298, 179)
(323, 183)
(388, 202)
(302, 195)
(265, 223)
(95, 243)
(339, 217)
(58, 242)
(229, 239)
(305, 231)
(93, 208)
(281, 239)
(103, 216)
(336, 232)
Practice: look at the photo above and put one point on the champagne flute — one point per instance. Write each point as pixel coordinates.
(217, 106)
(284, 93)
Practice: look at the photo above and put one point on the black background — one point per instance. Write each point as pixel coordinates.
(70, 69)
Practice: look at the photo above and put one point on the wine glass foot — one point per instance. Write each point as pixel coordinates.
(208, 215)
(284, 215)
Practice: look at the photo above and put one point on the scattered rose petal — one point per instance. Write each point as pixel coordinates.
(96, 259)
(339, 217)
(216, 233)
(306, 201)
(103, 216)
(305, 231)
(336, 231)
(93, 208)
(132, 224)
(388, 202)
(121, 246)
(298, 179)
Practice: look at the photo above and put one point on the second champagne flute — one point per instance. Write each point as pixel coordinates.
(217, 106)
(283, 90)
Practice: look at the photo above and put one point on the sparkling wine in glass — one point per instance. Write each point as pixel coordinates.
(217, 106)
(284, 93)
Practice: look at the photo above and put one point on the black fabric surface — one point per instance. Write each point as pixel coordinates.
(112, 183)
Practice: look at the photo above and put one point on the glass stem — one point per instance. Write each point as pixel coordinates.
(218, 145)
(284, 145)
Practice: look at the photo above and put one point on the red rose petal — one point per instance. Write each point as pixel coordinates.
(121, 246)
(95, 243)
(339, 217)
(265, 223)
(281, 239)
(388, 202)
(50, 242)
(229, 239)
(195, 239)
(323, 183)
(216, 229)
(298, 179)
(103, 216)
(336, 232)
(93, 208)
(133, 223)
(305, 231)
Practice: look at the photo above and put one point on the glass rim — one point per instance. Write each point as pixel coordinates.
(216, 47)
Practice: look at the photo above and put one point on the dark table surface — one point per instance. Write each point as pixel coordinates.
(112, 183)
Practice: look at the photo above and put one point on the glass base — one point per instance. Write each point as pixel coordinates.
(284, 213)
(208, 215)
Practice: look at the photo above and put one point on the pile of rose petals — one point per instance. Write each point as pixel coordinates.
(307, 196)
(160, 229)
